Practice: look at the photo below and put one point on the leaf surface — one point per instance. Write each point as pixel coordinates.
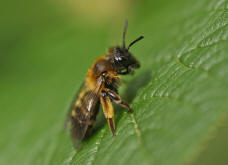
(179, 95)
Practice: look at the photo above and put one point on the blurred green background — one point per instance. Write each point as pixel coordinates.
(179, 95)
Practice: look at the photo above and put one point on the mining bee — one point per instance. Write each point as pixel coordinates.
(101, 87)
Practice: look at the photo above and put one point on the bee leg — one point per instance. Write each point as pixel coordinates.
(123, 72)
(108, 111)
(116, 98)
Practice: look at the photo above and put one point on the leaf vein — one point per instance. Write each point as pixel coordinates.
(139, 135)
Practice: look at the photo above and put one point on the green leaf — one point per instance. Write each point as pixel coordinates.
(179, 95)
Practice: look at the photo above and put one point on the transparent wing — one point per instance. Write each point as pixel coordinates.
(88, 101)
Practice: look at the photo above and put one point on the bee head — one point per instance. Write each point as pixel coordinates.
(122, 60)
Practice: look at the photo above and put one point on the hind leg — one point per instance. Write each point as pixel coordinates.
(108, 111)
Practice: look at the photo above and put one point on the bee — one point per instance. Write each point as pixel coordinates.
(101, 87)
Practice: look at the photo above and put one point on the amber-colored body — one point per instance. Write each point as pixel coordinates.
(101, 87)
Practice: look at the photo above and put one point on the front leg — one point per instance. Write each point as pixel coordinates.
(116, 98)
(123, 72)
(127, 71)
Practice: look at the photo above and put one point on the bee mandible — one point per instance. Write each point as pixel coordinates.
(101, 87)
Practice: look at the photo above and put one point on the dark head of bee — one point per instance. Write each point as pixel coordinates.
(121, 58)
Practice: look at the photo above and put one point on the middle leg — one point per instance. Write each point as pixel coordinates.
(116, 98)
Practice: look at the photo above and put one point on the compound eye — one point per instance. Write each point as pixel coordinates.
(117, 55)
(118, 58)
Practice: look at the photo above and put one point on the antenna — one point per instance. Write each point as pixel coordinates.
(133, 42)
(124, 32)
